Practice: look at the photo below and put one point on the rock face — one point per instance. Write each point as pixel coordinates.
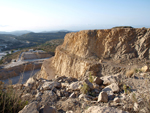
(82, 51)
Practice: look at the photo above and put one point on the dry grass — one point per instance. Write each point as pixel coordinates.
(10, 100)
(10, 97)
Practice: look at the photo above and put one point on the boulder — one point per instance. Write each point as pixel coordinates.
(107, 80)
(117, 100)
(98, 81)
(29, 82)
(69, 111)
(50, 85)
(112, 88)
(48, 95)
(145, 68)
(48, 109)
(75, 85)
(95, 86)
(136, 107)
(99, 109)
(30, 108)
(90, 85)
(103, 97)
(82, 96)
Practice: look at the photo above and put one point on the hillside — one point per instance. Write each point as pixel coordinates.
(28, 40)
(39, 38)
(10, 42)
(16, 33)
(48, 47)
(95, 71)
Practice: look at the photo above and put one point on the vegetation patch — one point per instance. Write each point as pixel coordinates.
(10, 100)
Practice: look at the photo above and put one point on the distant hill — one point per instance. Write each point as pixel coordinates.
(123, 27)
(29, 39)
(12, 43)
(39, 38)
(16, 33)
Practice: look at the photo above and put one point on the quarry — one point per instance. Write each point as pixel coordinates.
(93, 71)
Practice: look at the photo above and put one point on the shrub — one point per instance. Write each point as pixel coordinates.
(127, 89)
(91, 79)
(10, 101)
(84, 88)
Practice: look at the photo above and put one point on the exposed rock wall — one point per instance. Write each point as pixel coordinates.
(82, 51)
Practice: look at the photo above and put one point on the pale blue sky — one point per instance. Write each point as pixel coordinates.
(47, 15)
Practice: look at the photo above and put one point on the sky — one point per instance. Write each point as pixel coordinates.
(51, 15)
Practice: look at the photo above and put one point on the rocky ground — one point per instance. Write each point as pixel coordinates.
(119, 93)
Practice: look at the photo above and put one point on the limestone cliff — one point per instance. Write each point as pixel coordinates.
(81, 52)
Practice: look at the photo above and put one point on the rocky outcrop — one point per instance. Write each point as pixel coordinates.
(83, 51)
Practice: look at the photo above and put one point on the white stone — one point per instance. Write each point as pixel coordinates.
(50, 85)
(103, 97)
(114, 87)
(144, 68)
(72, 95)
(82, 96)
(29, 82)
(111, 89)
(110, 79)
(75, 85)
(117, 100)
(136, 106)
(38, 94)
(69, 111)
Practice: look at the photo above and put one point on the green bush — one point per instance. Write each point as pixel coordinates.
(127, 89)
(84, 88)
(91, 79)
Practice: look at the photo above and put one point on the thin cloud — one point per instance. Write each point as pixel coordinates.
(4, 25)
